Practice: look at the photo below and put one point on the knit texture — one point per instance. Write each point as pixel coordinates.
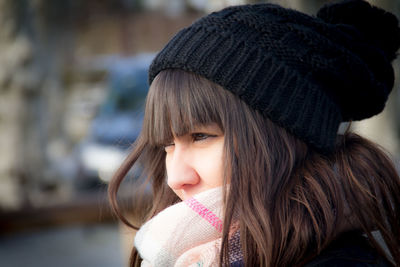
(186, 234)
(307, 74)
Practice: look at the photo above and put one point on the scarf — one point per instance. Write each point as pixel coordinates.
(185, 234)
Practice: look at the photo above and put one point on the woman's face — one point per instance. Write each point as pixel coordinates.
(194, 161)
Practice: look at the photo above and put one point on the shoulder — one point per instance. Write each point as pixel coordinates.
(350, 249)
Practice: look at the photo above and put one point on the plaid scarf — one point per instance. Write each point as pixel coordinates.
(186, 234)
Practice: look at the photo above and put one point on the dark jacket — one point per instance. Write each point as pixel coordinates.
(350, 249)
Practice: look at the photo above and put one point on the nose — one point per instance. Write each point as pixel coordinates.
(180, 168)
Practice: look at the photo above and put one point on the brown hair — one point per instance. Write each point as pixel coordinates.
(290, 200)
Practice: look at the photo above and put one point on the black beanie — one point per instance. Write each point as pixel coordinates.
(307, 74)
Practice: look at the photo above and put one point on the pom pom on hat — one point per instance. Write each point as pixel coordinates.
(373, 35)
(379, 27)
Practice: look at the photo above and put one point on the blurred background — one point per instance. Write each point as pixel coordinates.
(73, 78)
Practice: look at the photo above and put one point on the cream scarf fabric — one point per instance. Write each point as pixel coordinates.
(185, 234)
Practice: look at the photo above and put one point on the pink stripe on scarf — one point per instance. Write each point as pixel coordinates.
(205, 213)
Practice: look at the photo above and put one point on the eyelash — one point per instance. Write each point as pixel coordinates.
(195, 137)
(200, 136)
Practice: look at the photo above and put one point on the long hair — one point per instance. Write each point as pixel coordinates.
(290, 200)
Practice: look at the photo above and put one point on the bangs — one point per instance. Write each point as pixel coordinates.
(177, 102)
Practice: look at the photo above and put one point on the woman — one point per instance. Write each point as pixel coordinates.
(240, 141)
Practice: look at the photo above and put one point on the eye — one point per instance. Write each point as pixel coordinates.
(200, 136)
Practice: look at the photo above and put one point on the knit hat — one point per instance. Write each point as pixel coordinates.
(307, 74)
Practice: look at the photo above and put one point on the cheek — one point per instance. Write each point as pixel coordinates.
(210, 167)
